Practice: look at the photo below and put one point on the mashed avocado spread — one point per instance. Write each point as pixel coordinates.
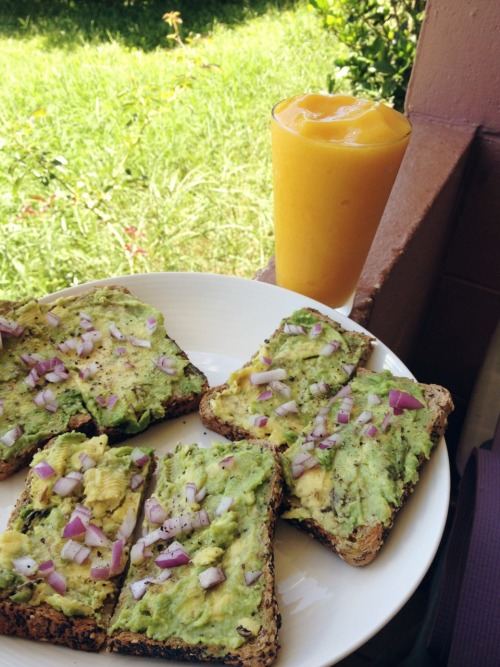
(103, 356)
(351, 464)
(45, 556)
(221, 496)
(306, 362)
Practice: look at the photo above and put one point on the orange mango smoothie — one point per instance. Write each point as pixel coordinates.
(335, 159)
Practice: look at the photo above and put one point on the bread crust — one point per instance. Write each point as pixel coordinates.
(258, 651)
(362, 545)
(235, 431)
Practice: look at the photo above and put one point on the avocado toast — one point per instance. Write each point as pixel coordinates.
(63, 554)
(201, 583)
(352, 469)
(277, 393)
(101, 362)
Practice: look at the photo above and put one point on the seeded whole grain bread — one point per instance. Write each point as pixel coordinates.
(42, 621)
(49, 329)
(257, 650)
(362, 545)
(353, 353)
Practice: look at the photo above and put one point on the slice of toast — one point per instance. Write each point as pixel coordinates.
(63, 554)
(100, 362)
(201, 583)
(275, 395)
(354, 466)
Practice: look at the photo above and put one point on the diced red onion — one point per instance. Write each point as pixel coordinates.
(265, 396)
(65, 486)
(25, 565)
(332, 441)
(95, 537)
(139, 342)
(386, 421)
(74, 551)
(115, 332)
(227, 463)
(211, 577)
(287, 408)
(281, 388)
(89, 371)
(52, 319)
(373, 399)
(138, 588)
(319, 388)
(293, 329)
(315, 330)
(100, 569)
(83, 513)
(12, 436)
(252, 576)
(151, 324)
(224, 504)
(120, 351)
(127, 526)
(329, 348)
(87, 461)
(302, 462)
(46, 399)
(342, 393)
(154, 511)
(344, 413)
(403, 400)
(10, 328)
(138, 552)
(370, 430)
(365, 417)
(84, 348)
(200, 519)
(112, 400)
(67, 345)
(136, 481)
(139, 457)
(200, 495)
(75, 474)
(45, 568)
(94, 336)
(173, 556)
(191, 490)
(31, 359)
(74, 527)
(166, 364)
(257, 420)
(263, 377)
(116, 557)
(32, 378)
(1, 407)
(57, 581)
(349, 368)
(266, 360)
(44, 470)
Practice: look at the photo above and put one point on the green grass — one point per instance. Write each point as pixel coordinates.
(121, 155)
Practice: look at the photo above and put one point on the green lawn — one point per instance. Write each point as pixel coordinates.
(121, 155)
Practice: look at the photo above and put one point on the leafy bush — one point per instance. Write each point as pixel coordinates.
(380, 37)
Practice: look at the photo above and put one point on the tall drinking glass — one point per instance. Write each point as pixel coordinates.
(335, 159)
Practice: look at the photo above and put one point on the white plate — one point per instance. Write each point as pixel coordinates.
(328, 608)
